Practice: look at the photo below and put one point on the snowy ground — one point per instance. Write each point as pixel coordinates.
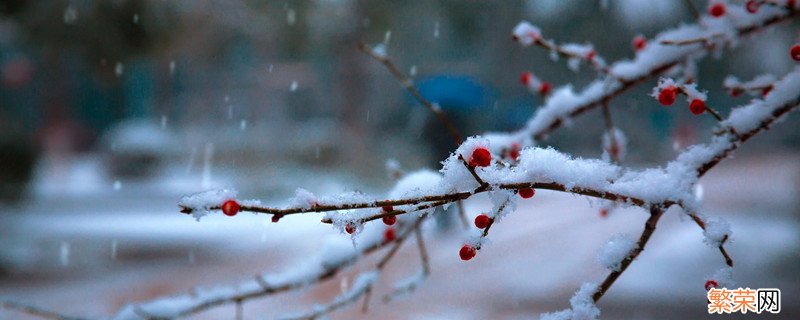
(79, 255)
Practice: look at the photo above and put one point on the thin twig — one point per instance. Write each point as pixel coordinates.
(557, 122)
(423, 254)
(462, 214)
(649, 228)
(408, 84)
(474, 174)
(702, 225)
(612, 136)
(36, 311)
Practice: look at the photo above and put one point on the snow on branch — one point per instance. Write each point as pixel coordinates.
(650, 61)
(479, 166)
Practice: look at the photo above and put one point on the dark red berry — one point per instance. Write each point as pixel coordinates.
(711, 284)
(590, 55)
(544, 88)
(795, 52)
(230, 208)
(735, 92)
(514, 152)
(697, 106)
(603, 213)
(481, 157)
(387, 208)
(525, 78)
(350, 228)
(717, 10)
(639, 42)
(526, 193)
(752, 5)
(667, 95)
(467, 252)
(389, 220)
(276, 217)
(766, 91)
(482, 221)
(389, 235)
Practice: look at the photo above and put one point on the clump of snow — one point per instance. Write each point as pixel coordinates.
(663, 83)
(717, 230)
(416, 184)
(456, 177)
(201, 203)
(615, 250)
(582, 306)
(549, 165)
(693, 93)
(748, 118)
(380, 50)
(526, 33)
(303, 199)
(723, 277)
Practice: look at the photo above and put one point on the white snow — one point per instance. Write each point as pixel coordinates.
(717, 229)
(201, 202)
(582, 306)
(526, 33)
(615, 250)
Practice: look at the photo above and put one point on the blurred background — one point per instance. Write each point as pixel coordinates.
(111, 110)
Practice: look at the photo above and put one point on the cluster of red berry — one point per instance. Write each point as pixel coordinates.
(388, 234)
(668, 94)
(529, 80)
(717, 9)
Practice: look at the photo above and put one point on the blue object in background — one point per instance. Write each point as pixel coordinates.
(454, 92)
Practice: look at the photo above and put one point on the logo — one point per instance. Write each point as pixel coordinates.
(744, 300)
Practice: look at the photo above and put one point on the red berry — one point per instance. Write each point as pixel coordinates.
(387, 208)
(389, 220)
(389, 235)
(795, 52)
(735, 92)
(717, 10)
(276, 217)
(526, 193)
(482, 221)
(350, 228)
(667, 95)
(590, 55)
(544, 88)
(514, 152)
(697, 106)
(603, 213)
(481, 157)
(639, 42)
(711, 284)
(525, 78)
(752, 5)
(467, 252)
(230, 208)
